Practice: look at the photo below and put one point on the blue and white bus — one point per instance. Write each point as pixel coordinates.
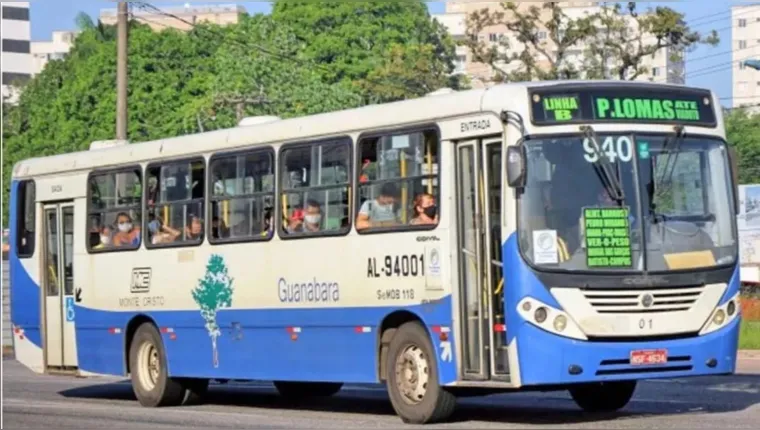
(568, 235)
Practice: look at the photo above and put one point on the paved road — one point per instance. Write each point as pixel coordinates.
(41, 401)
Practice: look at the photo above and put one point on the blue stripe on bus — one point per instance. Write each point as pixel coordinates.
(255, 344)
(24, 292)
(519, 282)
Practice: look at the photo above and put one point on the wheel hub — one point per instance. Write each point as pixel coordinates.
(149, 365)
(412, 374)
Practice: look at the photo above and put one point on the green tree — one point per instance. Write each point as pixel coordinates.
(743, 133)
(350, 41)
(546, 40)
(179, 83)
(214, 292)
(260, 71)
(626, 37)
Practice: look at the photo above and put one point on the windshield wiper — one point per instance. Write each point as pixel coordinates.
(676, 140)
(613, 186)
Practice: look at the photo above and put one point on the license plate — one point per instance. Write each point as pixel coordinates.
(643, 358)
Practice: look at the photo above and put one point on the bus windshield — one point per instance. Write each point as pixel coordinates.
(663, 202)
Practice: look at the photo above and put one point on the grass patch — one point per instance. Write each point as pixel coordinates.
(749, 337)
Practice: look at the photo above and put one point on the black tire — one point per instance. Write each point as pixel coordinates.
(436, 403)
(165, 391)
(195, 390)
(603, 396)
(301, 390)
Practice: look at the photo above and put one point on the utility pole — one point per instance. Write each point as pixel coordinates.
(121, 72)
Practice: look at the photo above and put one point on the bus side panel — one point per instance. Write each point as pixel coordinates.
(24, 295)
(545, 358)
(329, 344)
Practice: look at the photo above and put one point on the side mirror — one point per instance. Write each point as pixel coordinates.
(516, 160)
(733, 159)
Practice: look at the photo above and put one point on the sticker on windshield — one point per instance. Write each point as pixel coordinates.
(545, 247)
(608, 237)
(644, 150)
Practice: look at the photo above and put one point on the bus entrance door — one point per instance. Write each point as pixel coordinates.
(479, 206)
(58, 290)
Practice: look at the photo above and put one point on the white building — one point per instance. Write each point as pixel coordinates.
(54, 49)
(16, 56)
(221, 14)
(745, 45)
(662, 66)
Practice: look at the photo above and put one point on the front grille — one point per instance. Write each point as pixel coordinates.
(623, 367)
(634, 301)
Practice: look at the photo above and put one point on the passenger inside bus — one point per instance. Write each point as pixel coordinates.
(105, 233)
(219, 229)
(307, 220)
(380, 212)
(194, 230)
(128, 234)
(425, 210)
(161, 233)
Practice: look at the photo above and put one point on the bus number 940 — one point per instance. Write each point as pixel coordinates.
(396, 266)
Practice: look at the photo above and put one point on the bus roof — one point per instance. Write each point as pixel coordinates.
(373, 117)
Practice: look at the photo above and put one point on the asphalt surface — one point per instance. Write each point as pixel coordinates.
(43, 401)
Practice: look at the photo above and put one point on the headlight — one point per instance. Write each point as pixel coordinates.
(550, 319)
(722, 315)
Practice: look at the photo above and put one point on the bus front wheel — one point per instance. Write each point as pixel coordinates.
(412, 380)
(147, 363)
(603, 396)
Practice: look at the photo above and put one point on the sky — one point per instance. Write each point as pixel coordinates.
(707, 67)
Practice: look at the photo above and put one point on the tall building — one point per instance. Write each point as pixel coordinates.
(54, 49)
(16, 56)
(221, 14)
(663, 67)
(745, 45)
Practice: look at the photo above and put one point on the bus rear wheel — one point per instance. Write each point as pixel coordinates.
(150, 379)
(603, 396)
(301, 390)
(412, 381)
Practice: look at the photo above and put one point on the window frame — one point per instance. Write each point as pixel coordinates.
(436, 129)
(21, 216)
(346, 140)
(182, 244)
(210, 199)
(89, 212)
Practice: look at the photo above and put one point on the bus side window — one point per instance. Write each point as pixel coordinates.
(175, 203)
(26, 219)
(114, 210)
(398, 181)
(315, 188)
(242, 196)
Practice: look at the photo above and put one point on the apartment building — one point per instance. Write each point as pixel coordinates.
(663, 66)
(221, 14)
(16, 51)
(55, 49)
(745, 46)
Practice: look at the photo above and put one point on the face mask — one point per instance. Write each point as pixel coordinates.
(430, 211)
(125, 227)
(313, 219)
(105, 240)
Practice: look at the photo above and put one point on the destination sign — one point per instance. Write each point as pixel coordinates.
(563, 105)
(608, 238)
